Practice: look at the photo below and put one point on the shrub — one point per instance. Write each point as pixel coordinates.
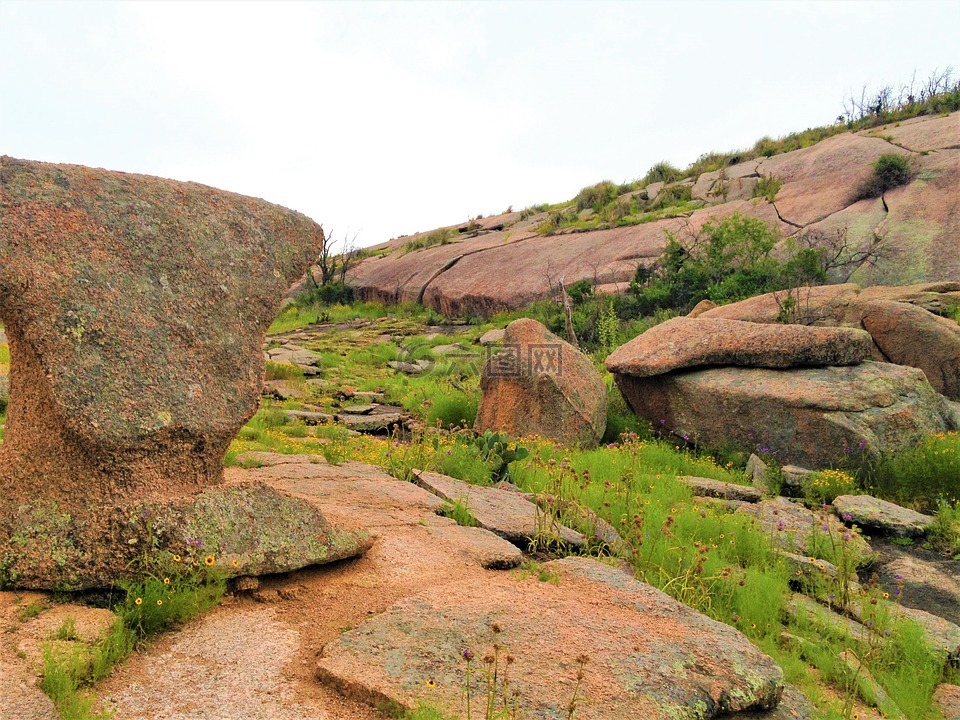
(661, 172)
(825, 486)
(672, 195)
(532, 210)
(579, 291)
(767, 187)
(441, 236)
(596, 196)
(336, 292)
(889, 171)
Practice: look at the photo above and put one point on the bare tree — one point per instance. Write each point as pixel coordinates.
(334, 263)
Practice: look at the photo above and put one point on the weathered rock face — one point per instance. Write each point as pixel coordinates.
(540, 384)
(648, 655)
(909, 335)
(685, 342)
(905, 323)
(883, 516)
(812, 417)
(135, 309)
(503, 261)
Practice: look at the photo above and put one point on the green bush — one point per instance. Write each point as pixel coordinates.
(671, 195)
(579, 291)
(596, 196)
(726, 261)
(889, 171)
(437, 237)
(661, 172)
(767, 187)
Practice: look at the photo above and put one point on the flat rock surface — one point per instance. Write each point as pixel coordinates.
(380, 420)
(719, 489)
(883, 516)
(685, 342)
(488, 549)
(508, 514)
(649, 656)
(20, 698)
(234, 658)
(947, 698)
(925, 579)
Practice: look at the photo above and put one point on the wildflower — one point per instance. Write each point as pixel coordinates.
(209, 560)
(431, 683)
(138, 601)
(159, 602)
(468, 655)
(176, 558)
(166, 581)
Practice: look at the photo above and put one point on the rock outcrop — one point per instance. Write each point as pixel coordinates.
(721, 376)
(822, 415)
(540, 384)
(135, 309)
(906, 323)
(508, 260)
(685, 342)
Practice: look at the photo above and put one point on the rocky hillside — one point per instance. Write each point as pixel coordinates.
(508, 260)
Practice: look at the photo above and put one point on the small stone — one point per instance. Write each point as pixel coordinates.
(492, 337)
(757, 471)
(309, 417)
(719, 489)
(266, 596)
(246, 583)
(358, 409)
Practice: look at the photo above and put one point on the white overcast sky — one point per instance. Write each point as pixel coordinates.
(385, 118)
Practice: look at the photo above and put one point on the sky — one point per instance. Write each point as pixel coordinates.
(380, 119)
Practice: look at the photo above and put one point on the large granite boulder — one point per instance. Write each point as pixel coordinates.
(906, 323)
(684, 342)
(540, 384)
(135, 309)
(813, 417)
(910, 335)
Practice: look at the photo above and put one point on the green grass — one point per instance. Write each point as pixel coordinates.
(151, 604)
(460, 512)
(282, 371)
(920, 476)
